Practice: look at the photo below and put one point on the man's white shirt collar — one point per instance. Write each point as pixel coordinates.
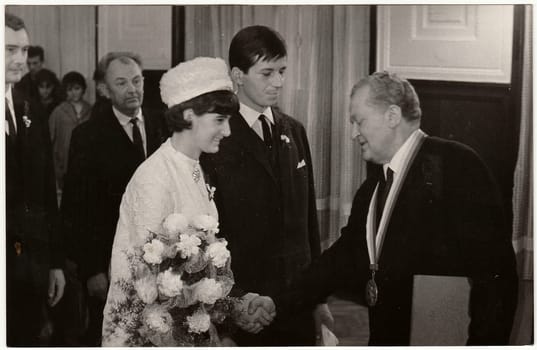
(8, 91)
(10, 106)
(251, 115)
(396, 163)
(9, 97)
(123, 119)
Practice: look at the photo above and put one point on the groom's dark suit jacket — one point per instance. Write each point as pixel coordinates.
(102, 159)
(447, 220)
(267, 212)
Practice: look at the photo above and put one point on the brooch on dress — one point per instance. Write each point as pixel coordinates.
(196, 173)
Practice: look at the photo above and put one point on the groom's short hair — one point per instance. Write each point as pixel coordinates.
(253, 44)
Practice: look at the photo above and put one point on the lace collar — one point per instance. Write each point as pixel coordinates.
(180, 157)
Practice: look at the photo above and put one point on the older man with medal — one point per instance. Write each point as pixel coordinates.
(382, 202)
(432, 209)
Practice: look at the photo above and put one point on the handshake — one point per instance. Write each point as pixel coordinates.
(255, 312)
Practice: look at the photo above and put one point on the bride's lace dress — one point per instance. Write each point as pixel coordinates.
(165, 183)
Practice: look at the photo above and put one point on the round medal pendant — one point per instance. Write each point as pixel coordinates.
(371, 293)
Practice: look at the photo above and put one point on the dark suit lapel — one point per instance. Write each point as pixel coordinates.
(153, 137)
(412, 190)
(26, 139)
(248, 139)
(115, 132)
(22, 109)
(285, 159)
(19, 107)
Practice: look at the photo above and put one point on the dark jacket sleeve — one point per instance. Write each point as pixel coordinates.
(56, 241)
(71, 201)
(209, 171)
(490, 256)
(342, 266)
(80, 205)
(313, 224)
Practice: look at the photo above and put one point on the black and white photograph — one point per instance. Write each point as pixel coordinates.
(267, 175)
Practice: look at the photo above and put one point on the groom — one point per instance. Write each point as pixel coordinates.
(264, 186)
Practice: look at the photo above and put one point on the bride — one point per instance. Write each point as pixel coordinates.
(170, 273)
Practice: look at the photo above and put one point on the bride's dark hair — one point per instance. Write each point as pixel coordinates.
(222, 101)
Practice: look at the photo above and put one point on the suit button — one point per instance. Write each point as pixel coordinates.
(26, 209)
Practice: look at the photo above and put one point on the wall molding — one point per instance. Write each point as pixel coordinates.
(446, 42)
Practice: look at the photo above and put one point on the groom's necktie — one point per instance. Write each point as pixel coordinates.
(267, 136)
(382, 193)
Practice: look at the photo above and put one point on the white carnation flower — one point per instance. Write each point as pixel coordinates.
(174, 224)
(188, 245)
(119, 338)
(157, 318)
(154, 251)
(208, 291)
(199, 322)
(205, 222)
(218, 253)
(169, 283)
(146, 287)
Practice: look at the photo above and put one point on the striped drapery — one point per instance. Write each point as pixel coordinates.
(523, 178)
(523, 327)
(328, 51)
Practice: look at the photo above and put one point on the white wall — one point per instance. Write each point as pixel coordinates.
(72, 41)
(67, 34)
(446, 42)
(146, 30)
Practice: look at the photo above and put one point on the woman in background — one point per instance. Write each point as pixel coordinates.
(48, 93)
(64, 118)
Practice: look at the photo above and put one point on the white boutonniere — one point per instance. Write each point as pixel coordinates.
(27, 121)
(285, 139)
(210, 191)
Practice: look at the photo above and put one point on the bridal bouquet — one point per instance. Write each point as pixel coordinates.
(182, 279)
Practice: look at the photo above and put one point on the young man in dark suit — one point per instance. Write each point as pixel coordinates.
(264, 186)
(104, 153)
(27, 86)
(433, 209)
(34, 254)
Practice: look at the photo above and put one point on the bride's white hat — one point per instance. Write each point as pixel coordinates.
(193, 78)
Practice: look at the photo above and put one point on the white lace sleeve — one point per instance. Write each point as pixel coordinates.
(147, 201)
